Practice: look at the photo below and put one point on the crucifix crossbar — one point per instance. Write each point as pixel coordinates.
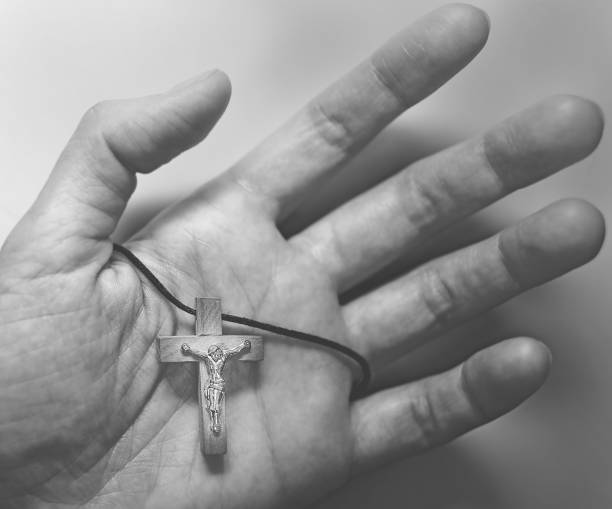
(211, 350)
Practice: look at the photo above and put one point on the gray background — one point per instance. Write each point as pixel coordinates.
(60, 57)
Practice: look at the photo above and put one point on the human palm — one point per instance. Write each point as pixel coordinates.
(91, 417)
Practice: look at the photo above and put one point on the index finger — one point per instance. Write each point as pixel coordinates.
(342, 119)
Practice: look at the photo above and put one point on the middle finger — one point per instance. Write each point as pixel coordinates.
(373, 229)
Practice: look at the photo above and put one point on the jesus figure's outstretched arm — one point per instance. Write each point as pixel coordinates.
(188, 350)
(245, 345)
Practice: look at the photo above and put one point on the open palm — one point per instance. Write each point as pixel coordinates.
(88, 413)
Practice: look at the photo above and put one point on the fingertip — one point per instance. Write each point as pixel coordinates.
(572, 229)
(469, 19)
(524, 358)
(504, 375)
(555, 240)
(576, 123)
(222, 82)
(582, 224)
(214, 85)
(447, 38)
(546, 137)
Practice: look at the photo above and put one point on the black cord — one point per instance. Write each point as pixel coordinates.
(360, 387)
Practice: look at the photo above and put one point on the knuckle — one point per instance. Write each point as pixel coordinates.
(438, 296)
(478, 410)
(331, 127)
(501, 151)
(505, 241)
(423, 414)
(421, 202)
(388, 79)
(391, 68)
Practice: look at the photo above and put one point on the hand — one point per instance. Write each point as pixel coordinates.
(88, 413)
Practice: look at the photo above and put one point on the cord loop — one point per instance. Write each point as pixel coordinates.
(359, 389)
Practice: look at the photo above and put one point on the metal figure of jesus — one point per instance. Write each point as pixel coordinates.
(215, 359)
(211, 351)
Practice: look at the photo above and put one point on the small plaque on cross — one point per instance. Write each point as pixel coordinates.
(211, 350)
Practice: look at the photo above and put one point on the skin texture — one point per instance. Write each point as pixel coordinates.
(89, 417)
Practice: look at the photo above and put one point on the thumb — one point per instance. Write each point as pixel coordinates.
(81, 203)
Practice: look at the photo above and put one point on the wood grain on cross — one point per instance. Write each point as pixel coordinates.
(208, 329)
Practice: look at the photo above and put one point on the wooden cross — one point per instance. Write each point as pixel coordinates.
(211, 350)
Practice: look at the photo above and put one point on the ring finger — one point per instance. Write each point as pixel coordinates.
(400, 316)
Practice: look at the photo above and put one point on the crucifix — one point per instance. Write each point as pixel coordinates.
(211, 350)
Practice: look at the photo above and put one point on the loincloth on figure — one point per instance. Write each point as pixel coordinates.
(213, 393)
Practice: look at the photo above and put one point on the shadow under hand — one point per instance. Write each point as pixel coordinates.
(446, 478)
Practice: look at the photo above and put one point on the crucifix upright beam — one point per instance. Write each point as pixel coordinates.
(211, 350)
